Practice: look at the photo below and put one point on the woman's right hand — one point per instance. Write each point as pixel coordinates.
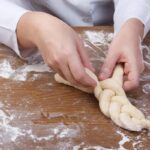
(59, 45)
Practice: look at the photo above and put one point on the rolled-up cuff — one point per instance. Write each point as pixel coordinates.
(8, 24)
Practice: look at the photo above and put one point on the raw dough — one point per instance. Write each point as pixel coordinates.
(113, 101)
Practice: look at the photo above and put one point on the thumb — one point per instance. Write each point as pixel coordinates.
(108, 65)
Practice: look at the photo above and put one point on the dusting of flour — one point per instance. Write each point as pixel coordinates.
(8, 132)
(99, 38)
(123, 140)
(20, 74)
(12, 133)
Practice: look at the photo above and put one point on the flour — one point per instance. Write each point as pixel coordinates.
(137, 143)
(146, 52)
(21, 73)
(146, 88)
(145, 77)
(5, 69)
(123, 140)
(68, 133)
(1, 105)
(84, 146)
(96, 148)
(12, 134)
(8, 132)
(36, 138)
(100, 38)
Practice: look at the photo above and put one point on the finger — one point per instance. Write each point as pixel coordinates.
(109, 65)
(132, 80)
(126, 68)
(67, 73)
(78, 71)
(83, 55)
(61, 67)
(57, 70)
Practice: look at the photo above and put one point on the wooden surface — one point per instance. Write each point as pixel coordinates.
(39, 113)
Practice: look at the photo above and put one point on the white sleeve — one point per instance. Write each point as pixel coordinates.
(10, 13)
(126, 9)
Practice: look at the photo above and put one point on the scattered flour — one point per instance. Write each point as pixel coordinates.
(91, 148)
(8, 132)
(36, 138)
(84, 146)
(123, 140)
(20, 74)
(145, 77)
(146, 88)
(1, 105)
(146, 52)
(5, 69)
(100, 38)
(137, 143)
(66, 133)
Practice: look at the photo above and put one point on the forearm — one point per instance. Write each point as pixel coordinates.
(26, 31)
(31, 29)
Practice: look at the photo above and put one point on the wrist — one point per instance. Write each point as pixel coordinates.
(132, 29)
(40, 25)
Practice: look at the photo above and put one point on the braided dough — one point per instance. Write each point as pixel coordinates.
(113, 101)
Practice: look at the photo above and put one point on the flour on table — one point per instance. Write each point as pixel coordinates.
(8, 132)
(123, 140)
(84, 146)
(6, 69)
(146, 88)
(20, 74)
(13, 134)
(100, 38)
(146, 51)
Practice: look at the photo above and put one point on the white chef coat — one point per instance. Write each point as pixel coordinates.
(12, 10)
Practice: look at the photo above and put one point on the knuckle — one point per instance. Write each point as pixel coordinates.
(67, 53)
(72, 81)
(79, 77)
(48, 62)
(58, 60)
(55, 61)
(135, 84)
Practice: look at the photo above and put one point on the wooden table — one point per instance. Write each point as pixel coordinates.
(39, 113)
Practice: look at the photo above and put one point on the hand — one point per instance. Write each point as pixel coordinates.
(125, 48)
(59, 45)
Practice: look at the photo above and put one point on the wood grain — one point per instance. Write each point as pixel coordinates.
(53, 116)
